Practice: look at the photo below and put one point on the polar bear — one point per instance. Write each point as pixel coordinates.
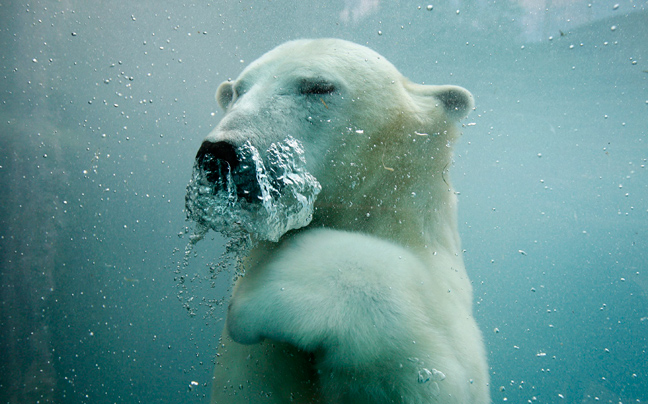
(368, 300)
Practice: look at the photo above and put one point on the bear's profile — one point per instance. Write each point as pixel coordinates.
(370, 301)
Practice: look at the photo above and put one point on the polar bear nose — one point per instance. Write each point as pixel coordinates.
(212, 155)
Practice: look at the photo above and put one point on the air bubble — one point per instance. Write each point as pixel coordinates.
(287, 194)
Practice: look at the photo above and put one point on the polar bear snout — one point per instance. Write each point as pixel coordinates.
(213, 157)
(222, 167)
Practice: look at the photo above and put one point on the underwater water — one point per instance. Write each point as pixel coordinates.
(105, 104)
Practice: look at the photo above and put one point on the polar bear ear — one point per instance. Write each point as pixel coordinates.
(225, 94)
(456, 101)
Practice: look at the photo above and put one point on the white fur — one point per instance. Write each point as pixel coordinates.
(371, 303)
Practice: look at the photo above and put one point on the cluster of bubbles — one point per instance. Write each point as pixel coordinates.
(286, 201)
(429, 377)
(286, 198)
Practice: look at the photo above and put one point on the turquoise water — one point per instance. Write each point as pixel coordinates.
(104, 106)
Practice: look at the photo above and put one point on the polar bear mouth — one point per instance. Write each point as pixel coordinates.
(236, 189)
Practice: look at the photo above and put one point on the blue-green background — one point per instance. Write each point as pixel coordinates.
(103, 105)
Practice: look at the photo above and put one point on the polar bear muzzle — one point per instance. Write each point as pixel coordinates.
(239, 189)
(217, 160)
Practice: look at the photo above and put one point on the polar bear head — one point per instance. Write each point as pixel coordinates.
(341, 119)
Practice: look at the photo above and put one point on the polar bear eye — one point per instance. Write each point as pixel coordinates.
(316, 87)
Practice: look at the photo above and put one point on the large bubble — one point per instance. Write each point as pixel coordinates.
(287, 193)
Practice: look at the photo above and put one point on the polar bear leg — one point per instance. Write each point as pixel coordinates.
(354, 301)
(329, 289)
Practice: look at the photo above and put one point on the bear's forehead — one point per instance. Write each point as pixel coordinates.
(321, 58)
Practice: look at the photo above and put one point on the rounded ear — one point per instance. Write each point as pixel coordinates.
(225, 94)
(456, 101)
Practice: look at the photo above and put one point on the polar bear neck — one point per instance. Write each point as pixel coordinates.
(395, 185)
(422, 217)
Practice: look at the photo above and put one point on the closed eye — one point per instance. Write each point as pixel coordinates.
(316, 87)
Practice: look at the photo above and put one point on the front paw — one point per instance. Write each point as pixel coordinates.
(269, 305)
(245, 325)
(328, 289)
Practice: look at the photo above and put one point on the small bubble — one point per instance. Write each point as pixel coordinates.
(379, 32)
(438, 375)
(430, 7)
(424, 375)
(613, 28)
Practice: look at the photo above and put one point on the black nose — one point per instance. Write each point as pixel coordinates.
(216, 159)
(210, 151)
